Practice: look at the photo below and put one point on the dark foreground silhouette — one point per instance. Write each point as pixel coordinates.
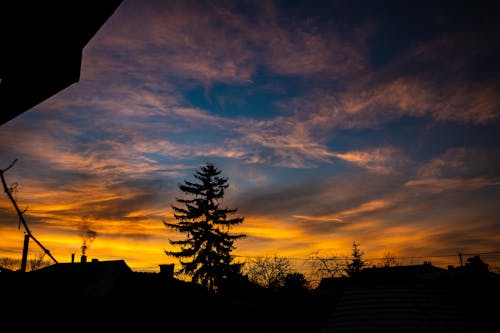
(109, 295)
(417, 298)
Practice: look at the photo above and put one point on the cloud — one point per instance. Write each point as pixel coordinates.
(286, 142)
(383, 160)
(461, 162)
(366, 207)
(146, 70)
(326, 196)
(437, 185)
(470, 104)
(227, 45)
(167, 42)
(297, 143)
(457, 169)
(370, 104)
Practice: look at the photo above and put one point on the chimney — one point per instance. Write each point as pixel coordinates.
(83, 259)
(167, 270)
(72, 258)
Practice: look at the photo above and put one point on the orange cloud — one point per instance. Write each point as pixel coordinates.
(384, 160)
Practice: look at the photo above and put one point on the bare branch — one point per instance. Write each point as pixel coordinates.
(10, 166)
(20, 213)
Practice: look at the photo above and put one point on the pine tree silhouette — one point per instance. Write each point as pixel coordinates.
(205, 253)
(356, 263)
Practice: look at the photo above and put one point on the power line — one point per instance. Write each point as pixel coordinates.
(339, 258)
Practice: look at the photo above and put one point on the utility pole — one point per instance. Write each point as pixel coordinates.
(461, 262)
(25, 252)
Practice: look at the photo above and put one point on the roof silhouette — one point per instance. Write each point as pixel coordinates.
(416, 298)
(42, 44)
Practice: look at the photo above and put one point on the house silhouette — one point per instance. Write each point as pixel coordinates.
(105, 293)
(415, 298)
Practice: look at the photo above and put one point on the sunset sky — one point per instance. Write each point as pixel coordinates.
(335, 121)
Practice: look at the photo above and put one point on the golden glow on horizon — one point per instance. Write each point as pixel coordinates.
(264, 239)
(273, 233)
(140, 238)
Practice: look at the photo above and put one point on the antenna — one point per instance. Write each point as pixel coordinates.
(21, 219)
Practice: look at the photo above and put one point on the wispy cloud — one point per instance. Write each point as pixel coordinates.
(170, 55)
(227, 44)
(285, 142)
(437, 185)
(383, 160)
(363, 208)
(458, 169)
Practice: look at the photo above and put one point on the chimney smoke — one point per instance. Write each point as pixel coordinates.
(88, 237)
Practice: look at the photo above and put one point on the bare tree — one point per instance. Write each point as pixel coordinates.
(38, 261)
(268, 272)
(328, 266)
(389, 260)
(9, 263)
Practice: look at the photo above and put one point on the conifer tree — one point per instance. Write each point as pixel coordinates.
(356, 262)
(205, 253)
